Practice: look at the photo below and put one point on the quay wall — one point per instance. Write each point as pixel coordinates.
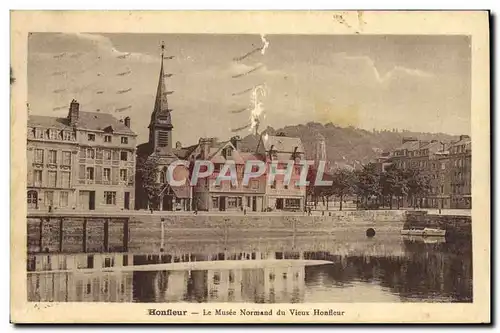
(107, 233)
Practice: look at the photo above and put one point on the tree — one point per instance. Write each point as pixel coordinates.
(147, 168)
(393, 183)
(343, 183)
(367, 182)
(418, 184)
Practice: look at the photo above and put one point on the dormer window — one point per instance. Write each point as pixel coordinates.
(107, 138)
(227, 152)
(67, 136)
(38, 133)
(52, 134)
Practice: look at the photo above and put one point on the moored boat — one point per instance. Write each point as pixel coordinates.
(424, 232)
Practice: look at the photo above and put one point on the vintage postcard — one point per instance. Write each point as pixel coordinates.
(250, 167)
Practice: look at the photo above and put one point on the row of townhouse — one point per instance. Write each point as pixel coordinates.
(447, 164)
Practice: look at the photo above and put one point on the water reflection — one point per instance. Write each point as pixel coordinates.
(425, 271)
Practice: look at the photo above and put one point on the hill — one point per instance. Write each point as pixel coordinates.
(345, 145)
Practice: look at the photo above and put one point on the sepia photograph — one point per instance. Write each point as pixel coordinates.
(204, 175)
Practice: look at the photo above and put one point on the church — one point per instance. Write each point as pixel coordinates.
(158, 154)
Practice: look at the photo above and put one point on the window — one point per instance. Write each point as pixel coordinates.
(52, 175)
(124, 140)
(37, 175)
(227, 152)
(273, 185)
(286, 187)
(123, 175)
(107, 154)
(32, 199)
(110, 198)
(106, 174)
(65, 179)
(38, 155)
(215, 202)
(109, 262)
(52, 156)
(107, 138)
(63, 199)
(91, 137)
(123, 156)
(52, 134)
(67, 136)
(90, 153)
(232, 202)
(38, 133)
(216, 167)
(49, 198)
(66, 158)
(292, 203)
(90, 173)
(443, 166)
(254, 184)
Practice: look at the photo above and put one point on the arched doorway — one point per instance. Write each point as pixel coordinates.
(32, 199)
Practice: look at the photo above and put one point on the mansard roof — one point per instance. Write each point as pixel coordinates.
(93, 121)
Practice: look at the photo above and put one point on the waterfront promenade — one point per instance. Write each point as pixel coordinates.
(125, 213)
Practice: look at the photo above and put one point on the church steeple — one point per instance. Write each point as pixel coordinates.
(160, 126)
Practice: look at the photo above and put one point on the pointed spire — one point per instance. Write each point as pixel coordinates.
(161, 109)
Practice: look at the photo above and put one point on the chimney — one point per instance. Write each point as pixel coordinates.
(235, 141)
(408, 139)
(205, 144)
(74, 109)
(127, 121)
(463, 137)
(422, 143)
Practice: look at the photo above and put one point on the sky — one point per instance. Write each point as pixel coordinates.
(418, 83)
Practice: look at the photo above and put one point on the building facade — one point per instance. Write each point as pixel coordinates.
(85, 161)
(226, 196)
(279, 150)
(460, 159)
(447, 166)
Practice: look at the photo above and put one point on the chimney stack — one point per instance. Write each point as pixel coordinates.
(74, 109)
(235, 141)
(127, 121)
(205, 144)
(463, 137)
(408, 139)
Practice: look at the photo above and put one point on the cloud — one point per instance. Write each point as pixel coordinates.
(388, 76)
(92, 42)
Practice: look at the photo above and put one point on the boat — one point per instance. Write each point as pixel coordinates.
(426, 232)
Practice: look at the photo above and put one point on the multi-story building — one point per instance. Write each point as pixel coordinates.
(280, 150)
(85, 161)
(460, 172)
(226, 196)
(448, 166)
